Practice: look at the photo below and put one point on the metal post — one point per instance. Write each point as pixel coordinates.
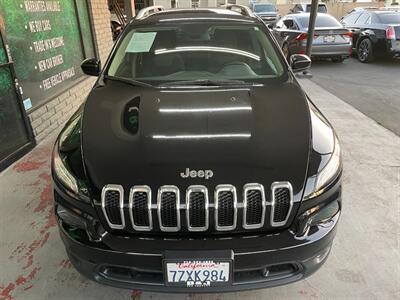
(129, 9)
(311, 26)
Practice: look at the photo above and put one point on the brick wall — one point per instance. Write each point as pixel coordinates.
(50, 117)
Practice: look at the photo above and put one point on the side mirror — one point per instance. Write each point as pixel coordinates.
(300, 63)
(270, 25)
(91, 66)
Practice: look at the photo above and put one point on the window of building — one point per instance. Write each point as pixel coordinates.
(47, 44)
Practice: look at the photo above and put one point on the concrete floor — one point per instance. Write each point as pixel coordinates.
(373, 89)
(364, 262)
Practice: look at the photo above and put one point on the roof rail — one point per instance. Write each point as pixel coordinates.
(147, 11)
(243, 10)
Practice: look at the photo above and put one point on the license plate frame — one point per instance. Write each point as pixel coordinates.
(190, 260)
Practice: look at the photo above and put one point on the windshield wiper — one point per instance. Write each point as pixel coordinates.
(205, 82)
(128, 81)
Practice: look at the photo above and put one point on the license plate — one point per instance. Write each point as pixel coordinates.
(329, 39)
(201, 271)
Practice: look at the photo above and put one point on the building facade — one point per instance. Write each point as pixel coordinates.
(42, 45)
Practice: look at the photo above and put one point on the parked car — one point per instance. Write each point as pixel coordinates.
(331, 40)
(306, 7)
(392, 8)
(267, 12)
(197, 162)
(375, 33)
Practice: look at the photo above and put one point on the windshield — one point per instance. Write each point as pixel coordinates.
(321, 21)
(392, 18)
(264, 8)
(196, 51)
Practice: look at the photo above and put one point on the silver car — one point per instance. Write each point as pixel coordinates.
(331, 39)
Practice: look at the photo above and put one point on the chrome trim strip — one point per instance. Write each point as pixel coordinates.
(197, 189)
(221, 188)
(253, 187)
(173, 189)
(141, 189)
(274, 186)
(120, 189)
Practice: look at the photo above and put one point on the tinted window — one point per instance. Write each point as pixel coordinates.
(321, 21)
(192, 51)
(389, 18)
(363, 19)
(264, 8)
(321, 8)
(351, 19)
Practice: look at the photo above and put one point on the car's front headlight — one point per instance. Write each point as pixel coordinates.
(62, 173)
(74, 186)
(67, 152)
(324, 177)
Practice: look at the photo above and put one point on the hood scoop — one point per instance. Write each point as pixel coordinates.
(131, 115)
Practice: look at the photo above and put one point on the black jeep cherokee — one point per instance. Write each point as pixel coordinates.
(197, 163)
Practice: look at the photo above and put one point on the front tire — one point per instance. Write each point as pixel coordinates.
(364, 51)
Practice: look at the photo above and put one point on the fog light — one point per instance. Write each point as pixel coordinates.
(70, 218)
(321, 257)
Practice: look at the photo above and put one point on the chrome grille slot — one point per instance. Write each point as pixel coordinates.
(197, 208)
(168, 206)
(253, 206)
(140, 208)
(282, 203)
(225, 207)
(112, 204)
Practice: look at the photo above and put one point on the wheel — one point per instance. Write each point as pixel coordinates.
(364, 51)
(286, 51)
(337, 59)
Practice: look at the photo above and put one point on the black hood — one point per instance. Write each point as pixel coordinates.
(244, 135)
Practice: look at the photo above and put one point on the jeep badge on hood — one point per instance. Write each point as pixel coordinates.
(200, 173)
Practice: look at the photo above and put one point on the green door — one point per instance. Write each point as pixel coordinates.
(15, 133)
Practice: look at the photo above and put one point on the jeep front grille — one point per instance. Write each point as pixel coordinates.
(112, 203)
(197, 208)
(253, 206)
(258, 207)
(281, 203)
(168, 205)
(140, 208)
(225, 207)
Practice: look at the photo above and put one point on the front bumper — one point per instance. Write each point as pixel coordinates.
(137, 263)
